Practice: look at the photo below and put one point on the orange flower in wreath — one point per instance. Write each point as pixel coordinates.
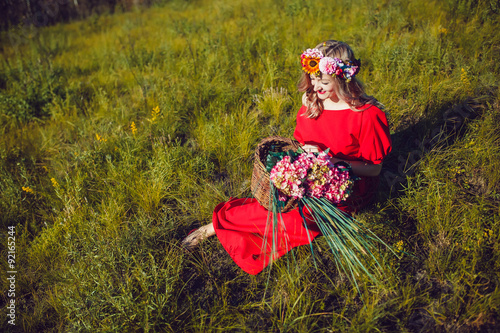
(310, 65)
(310, 60)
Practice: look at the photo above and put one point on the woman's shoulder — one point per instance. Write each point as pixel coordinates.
(374, 110)
(375, 115)
(370, 107)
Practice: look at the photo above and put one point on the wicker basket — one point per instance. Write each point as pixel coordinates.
(260, 178)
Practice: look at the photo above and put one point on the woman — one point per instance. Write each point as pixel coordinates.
(336, 114)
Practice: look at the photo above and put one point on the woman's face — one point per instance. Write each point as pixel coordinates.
(323, 86)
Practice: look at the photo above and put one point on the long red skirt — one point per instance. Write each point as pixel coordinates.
(244, 229)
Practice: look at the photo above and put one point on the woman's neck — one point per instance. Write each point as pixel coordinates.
(329, 104)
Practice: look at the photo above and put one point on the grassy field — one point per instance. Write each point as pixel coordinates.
(122, 132)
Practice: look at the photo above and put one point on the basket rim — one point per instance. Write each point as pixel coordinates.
(260, 167)
(266, 140)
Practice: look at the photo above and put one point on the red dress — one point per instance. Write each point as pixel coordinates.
(240, 224)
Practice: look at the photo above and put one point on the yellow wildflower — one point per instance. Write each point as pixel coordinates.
(27, 189)
(155, 113)
(133, 128)
(100, 138)
(443, 31)
(399, 246)
(54, 182)
(464, 77)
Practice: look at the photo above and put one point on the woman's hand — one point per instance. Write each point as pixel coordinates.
(311, 148)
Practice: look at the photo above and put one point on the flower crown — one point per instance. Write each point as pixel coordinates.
(313, 62)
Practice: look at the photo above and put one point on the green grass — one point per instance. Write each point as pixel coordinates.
(106, 203)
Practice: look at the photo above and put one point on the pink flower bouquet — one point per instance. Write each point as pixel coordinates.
(311, 175)
(317, 184)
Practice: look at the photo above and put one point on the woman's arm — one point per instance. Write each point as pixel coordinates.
(361, 168)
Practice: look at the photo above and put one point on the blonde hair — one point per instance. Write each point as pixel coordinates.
(352, 92)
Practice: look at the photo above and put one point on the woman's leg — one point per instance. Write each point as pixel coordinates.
(197, 236)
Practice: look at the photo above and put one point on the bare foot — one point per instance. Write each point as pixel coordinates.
(197, 236)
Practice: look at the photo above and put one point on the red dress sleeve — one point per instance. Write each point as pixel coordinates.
(374, 136)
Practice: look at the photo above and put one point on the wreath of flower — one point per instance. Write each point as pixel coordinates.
(313, 62)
